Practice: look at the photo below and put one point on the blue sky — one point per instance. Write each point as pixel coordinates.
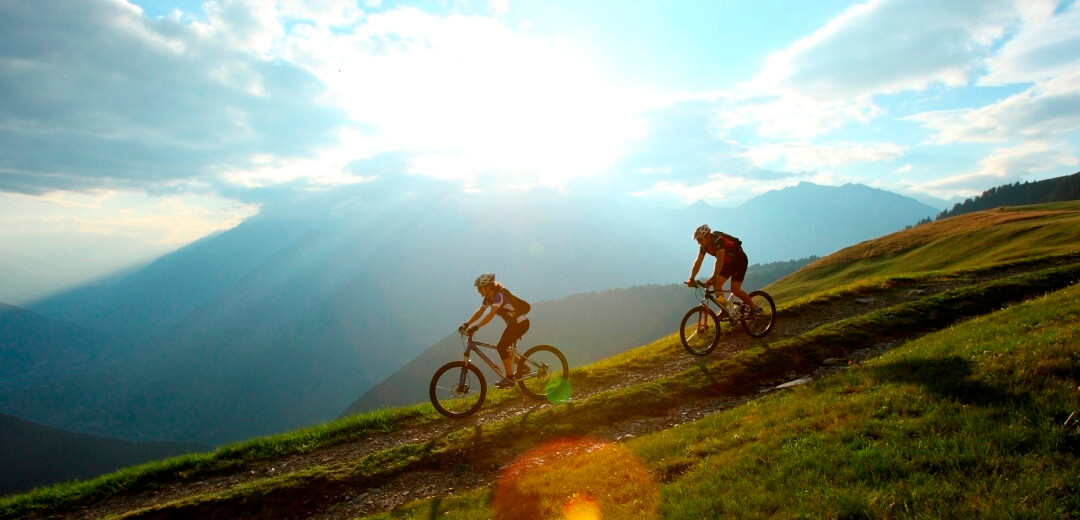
(131, 128)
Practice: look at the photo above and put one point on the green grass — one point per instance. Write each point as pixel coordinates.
(967, 422)
(192, 467)
(969, 242)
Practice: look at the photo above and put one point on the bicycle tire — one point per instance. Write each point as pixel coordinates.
(449, 398)
(761, 324)
(548, 376)
(699, 331)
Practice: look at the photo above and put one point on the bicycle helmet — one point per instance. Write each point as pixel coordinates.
(485, 279)
(702, 231)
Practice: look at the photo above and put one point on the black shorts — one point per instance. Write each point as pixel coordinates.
(513, 332)
(735, 267)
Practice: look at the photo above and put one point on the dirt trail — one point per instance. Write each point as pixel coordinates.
(396, 491)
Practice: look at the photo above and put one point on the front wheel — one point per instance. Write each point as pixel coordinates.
(760, 323)
(544, 374)
(457, 390)
(699, 331)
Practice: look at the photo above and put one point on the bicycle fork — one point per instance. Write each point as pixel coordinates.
(464, 372)
(702, 319)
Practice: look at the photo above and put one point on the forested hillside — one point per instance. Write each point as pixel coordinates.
(1058, 189)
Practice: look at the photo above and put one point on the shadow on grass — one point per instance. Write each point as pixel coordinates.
(950, 378)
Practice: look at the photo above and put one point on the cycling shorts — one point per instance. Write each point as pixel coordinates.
(735, 266)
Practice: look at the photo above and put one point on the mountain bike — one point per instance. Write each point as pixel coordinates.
(458, 388)
(700, 328)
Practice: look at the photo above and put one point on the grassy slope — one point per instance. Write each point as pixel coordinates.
(969, 422)
(972, 241)
(1054, 230)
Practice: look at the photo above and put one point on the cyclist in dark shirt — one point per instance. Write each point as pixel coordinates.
(517, 324)
(731, 262)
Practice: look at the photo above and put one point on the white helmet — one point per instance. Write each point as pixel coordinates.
(702, 231)
(484, 279)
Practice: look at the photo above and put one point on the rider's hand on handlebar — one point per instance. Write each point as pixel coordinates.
(463, 328)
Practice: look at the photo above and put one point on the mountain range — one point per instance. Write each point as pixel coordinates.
(286, 319)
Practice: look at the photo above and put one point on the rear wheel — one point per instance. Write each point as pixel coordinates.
(457, 390)
(760, 323)
(544, 374)
(700, 331)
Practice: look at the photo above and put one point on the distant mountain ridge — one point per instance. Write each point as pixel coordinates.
(34, 347)
(818, 220)
(292, 315)
(33, 455)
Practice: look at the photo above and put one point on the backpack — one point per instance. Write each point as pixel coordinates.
(521, 307)
(729, 238)
(730, 243)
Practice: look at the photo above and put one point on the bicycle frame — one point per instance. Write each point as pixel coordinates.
(473, 345)
(747, 313)
(709, 295)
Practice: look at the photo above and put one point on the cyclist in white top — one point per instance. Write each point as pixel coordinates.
(517, 324)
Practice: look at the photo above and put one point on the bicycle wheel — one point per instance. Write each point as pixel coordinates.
(762, 323)
(457, 390)
(543, 373)
(700, 331)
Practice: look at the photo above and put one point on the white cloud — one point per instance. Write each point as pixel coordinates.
(166, 221)
(1046, 45)
(1005, 165)
(326, 169)
(831, 77)
(1045, 110)
(99, 97)
(61, 239)
(803, 155)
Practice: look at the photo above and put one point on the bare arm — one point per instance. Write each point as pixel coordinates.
(697, 266)
(719, 262)
(716, 270)
(486, 319)
(476, 314)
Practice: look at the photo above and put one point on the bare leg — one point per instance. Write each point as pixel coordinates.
(736, 288)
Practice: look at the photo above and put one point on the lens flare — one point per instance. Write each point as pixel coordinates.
(581, 507)
(576, 479)
(558, 390)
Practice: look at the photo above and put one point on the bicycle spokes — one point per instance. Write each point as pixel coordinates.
(457, 389)
(547, 374)
(699, 331)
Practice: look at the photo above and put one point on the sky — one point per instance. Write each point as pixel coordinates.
(129, 128)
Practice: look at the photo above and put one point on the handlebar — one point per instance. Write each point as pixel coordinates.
(704, 284)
